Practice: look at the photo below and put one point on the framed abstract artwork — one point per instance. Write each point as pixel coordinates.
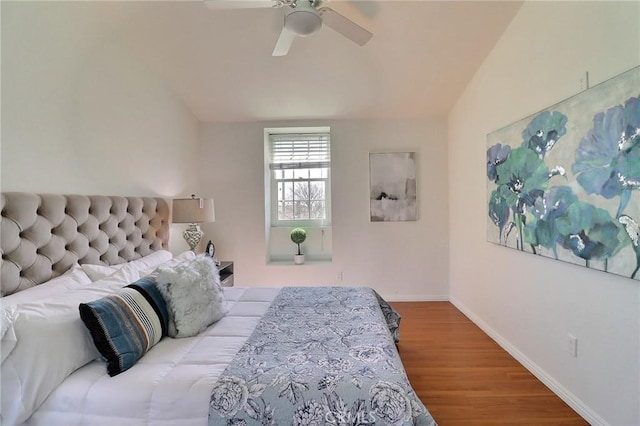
(392, 187)
(565, 183)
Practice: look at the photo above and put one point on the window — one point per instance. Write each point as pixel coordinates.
(299, 166)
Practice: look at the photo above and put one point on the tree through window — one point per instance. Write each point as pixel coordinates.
(300, 172)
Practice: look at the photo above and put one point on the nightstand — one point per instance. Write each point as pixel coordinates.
(226, 273)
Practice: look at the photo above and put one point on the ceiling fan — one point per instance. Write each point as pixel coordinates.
(303, 18)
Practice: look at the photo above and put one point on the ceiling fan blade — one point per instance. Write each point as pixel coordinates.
(345, 26)
(285, 40)
(239, 4)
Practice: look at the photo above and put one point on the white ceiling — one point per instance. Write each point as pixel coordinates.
(421, 56)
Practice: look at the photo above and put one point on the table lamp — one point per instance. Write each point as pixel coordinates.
(193, 211)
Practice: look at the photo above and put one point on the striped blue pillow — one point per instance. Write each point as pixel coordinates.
(126, 324)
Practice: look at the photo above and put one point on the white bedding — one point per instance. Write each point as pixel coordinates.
(170, 385)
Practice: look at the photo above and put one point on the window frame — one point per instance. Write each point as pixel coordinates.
(270, 173)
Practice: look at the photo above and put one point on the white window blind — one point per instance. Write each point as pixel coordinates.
(296, 151)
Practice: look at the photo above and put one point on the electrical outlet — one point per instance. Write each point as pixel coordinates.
(340, 276)
(572, 345)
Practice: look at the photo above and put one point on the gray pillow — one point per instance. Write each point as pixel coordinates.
(193, 295)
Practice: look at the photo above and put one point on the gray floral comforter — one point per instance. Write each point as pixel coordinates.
(319, 356)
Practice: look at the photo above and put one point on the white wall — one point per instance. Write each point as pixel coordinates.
(402, 260)
(529, 303)
(82, 115)
(74, 100)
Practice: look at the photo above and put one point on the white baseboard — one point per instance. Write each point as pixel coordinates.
(574, 402)
(415, 297)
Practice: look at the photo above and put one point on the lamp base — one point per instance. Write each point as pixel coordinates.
(193, 234)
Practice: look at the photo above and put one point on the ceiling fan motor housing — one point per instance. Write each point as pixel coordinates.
(303, 20)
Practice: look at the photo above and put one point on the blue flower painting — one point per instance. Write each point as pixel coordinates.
(565, 182)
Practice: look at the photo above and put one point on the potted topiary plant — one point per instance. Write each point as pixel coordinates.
(298, 235)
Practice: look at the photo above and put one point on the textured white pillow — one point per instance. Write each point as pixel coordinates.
(193, 294)
(52, 343)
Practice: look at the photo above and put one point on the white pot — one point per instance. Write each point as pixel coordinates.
(298, 259)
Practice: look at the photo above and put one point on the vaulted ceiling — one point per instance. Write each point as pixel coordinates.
(421, 56)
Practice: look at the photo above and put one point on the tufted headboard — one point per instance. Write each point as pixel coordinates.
(42, 235)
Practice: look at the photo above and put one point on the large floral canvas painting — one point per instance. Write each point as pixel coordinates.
(565, 182)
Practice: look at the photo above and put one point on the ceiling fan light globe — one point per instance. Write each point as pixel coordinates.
(303, 22)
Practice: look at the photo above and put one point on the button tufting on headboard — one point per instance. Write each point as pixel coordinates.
(42, 235)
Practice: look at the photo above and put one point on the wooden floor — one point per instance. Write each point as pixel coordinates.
(465, 378)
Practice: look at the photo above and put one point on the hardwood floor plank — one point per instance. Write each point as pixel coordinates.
(465, 378)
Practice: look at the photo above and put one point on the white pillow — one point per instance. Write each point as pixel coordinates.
(182, 257)
(98, 272)
(144, 265)
(7, 332)
(72, 279)
(6, 319)
(52, 343)
(193, 294)
(148, 263)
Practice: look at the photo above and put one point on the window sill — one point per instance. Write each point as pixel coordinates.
(303, 224)
(308, 261)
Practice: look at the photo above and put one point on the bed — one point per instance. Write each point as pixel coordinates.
(292, 355)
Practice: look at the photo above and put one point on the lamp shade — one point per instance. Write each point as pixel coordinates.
(193, 210)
